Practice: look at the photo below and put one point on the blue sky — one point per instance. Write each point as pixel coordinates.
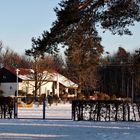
(20, 20)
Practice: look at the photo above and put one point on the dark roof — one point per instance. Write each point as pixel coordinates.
(7, 76)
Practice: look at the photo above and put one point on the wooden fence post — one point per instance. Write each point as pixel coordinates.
(116, 113)
(73, 110)
(4, 111)
(124, 113)
(128, 108)
(15, 108)
(44, 106)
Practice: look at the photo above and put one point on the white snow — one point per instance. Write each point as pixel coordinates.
(24, 129)
(39, 129)
(59, 111)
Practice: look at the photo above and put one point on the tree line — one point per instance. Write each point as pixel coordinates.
(116, 74)
(120, 74)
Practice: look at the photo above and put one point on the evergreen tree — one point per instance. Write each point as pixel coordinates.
(113, 15)
(136, 66)
(82, 55)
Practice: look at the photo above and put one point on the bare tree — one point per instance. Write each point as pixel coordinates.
(9, 58)
(41, 65)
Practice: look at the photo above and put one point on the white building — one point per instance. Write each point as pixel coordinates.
(52, 83)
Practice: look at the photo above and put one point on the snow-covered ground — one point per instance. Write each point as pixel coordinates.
(59, 111)
(26, 129)
(39, 129)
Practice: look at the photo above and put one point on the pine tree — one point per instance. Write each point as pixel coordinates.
(76, 27)
(83, 54)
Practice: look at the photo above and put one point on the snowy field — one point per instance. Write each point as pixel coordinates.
(59, 111)
(39, 129)
(27, 129)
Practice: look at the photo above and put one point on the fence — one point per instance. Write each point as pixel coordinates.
(43, 109)
(105, 110)
(81, 110)
(9, 107)
(33, 108)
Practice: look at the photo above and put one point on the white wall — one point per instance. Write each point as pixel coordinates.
(47, 87)
(28, 87)
(8, 88)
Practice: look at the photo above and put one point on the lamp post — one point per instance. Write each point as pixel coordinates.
(17, 72)
(16, 96)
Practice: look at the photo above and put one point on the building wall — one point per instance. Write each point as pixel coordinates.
(28, 87)
(9, 89)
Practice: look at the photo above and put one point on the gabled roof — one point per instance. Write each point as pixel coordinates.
(66, 82)
(63, 80)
